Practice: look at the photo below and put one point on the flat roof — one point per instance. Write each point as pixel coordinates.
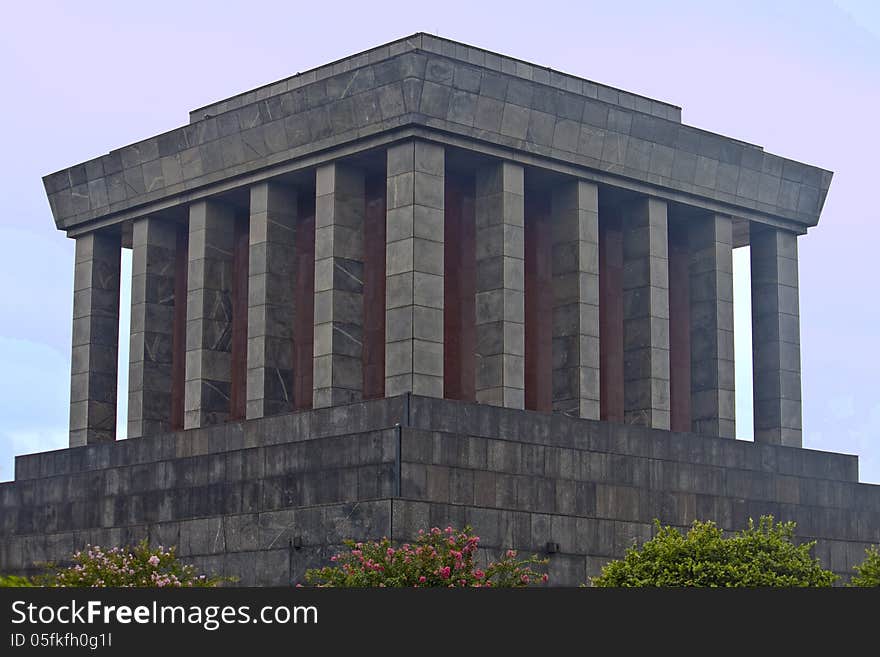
(453, 50)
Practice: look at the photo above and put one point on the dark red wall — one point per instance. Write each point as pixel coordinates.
(178, 338)
(460, 263)
(538, 303)
(610, 317)
(304, 301)
(240, 255)
(374, 288)
(679, 329)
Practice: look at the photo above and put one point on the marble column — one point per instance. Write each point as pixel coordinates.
(414, 269)
(207, 388)
(339, 284)
(575, 265)
(646, 313)
(711, 326)
(776, 359)
(271, 291)
(500, 298)
(151, 353)
(95, 338)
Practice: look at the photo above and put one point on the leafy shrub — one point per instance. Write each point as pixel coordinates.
(868, 572)
(139, 566)
(9, 581)
(437, 559)
(757, 556)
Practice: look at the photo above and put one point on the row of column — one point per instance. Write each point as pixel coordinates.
(613, 327)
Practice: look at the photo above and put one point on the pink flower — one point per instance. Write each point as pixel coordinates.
(511, 554)
(153, 561)
(422, 579)
(444, 572)
(479, 574)
(545, 577)
(390, 552)
(525, 579)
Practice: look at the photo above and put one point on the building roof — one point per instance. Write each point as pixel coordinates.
(465, 97)
(451, 50)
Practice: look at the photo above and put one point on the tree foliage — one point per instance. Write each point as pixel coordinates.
(9, 581)
(868, 572)
(438, 558)
(758, 556)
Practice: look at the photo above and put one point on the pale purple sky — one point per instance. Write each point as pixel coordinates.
(800, 78)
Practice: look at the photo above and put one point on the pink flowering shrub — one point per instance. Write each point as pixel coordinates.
(139, 566)
(445, 558)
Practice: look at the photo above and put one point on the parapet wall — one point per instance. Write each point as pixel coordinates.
(265, 499)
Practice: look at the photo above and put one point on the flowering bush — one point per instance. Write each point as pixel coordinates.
(444, 558)
(868, 572)
(139, 566)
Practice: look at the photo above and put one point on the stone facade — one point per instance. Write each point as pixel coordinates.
(266, 499)
(429, 284)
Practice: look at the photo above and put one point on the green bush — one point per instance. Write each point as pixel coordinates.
(138, 566)
(762, 555)
(437, 559)
(9, 581)
(868, 572)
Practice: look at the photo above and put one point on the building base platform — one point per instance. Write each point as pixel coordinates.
(264, 500)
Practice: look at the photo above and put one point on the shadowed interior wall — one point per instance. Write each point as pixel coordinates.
(679, 328)
(610, 316)
(238, 389)
(459, 315)
(374, 287)
(538, 303)
(178, 339)
(304, 301)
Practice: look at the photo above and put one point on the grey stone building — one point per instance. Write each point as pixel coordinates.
(430, 284)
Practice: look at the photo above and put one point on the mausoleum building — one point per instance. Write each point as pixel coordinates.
(429, 284)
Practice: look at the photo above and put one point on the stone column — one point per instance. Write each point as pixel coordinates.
(414, 269)
(500, 285)
(776, 358)
(339, 284)
(271, 290)
(646, 314)
(209, 314)
(711, 329)
(153, 264)
(575, 235)
(95, 338)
